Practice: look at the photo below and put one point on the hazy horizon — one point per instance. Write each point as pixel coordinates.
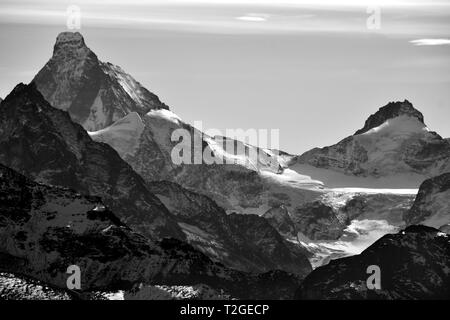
(316, 72)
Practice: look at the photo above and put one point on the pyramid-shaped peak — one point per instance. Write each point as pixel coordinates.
(96, 94)
(390, 111)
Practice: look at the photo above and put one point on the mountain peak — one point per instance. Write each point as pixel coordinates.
(70, 42)
(70, 38)
(96, 94)
(389, 111)
(24, 90)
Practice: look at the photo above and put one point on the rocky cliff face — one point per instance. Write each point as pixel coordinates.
(414, 264)
(317, 220)
(393, 141)
(243, 242)
(45, 229)
(314, 220)
(43, 143)
(432, 204)
(280, 218)
(94, 93)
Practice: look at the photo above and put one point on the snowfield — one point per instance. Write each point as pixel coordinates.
(362, 232)
(335, 179)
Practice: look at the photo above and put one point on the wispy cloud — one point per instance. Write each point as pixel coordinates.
(254, 17)
(430, 42)
(399, 17)
(278, 3)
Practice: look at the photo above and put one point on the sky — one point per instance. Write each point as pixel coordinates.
(315, 70)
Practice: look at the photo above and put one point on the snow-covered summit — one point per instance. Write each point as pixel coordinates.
(390, 111)
(394, 142)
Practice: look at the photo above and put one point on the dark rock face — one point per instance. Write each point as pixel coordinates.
(42, 142)
(389, 207)
(390, 111)
(243, 242)
(414, 264)
(432, 203)
(45, 229)
(348, 156)
(317, 220)
(279, 218)
(94, 93)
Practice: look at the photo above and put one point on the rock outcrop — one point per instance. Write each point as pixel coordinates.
(317, 220)
(243, 242)
(432, 204)
(413, 264)
(280, 218)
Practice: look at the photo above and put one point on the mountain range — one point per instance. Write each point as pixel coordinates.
(44, 229)
(59, 152)
(87, 177)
